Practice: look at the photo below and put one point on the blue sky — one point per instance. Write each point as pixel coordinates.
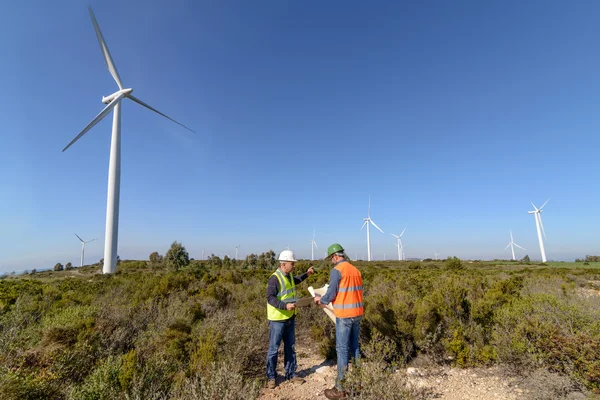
(453, 117)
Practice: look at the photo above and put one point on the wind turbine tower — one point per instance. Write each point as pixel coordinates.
(113, 103)
(511, 244)
(313, 244)
(236, 251)
(399, 245)
(83, 248)
(368, 223)
(538, 224)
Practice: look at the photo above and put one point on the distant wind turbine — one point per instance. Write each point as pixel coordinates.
(313, 244)
(368, 222)
(113, 102)
(399, 245)
(511, 244)
(436, 255)
(538, 224)
(236, 251)
(83, 247)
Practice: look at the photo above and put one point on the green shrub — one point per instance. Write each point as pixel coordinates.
(102, 384)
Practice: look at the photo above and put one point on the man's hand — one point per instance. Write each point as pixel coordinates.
(317, 300)
(290, 306)
(310, 271)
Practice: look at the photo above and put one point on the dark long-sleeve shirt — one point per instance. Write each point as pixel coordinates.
(273, 289)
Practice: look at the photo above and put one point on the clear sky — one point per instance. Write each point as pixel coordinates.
(452, 116)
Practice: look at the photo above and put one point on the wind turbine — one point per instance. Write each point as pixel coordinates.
(236, 251)
(399, 245)
(368, 222)
(113, 102)
(83, 247)
(538, 224)
(313, 244)
(511, 244)
(436, 254)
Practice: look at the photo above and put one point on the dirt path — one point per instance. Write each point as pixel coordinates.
(443, 383)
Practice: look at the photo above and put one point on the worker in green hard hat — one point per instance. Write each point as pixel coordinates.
(346, 296)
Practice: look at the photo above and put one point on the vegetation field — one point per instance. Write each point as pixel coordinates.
(174, 328)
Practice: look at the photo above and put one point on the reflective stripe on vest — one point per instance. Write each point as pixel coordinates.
(348, 302)
(287, 290)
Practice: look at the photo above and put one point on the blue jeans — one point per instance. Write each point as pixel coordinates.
(346, 344)
(285, 330)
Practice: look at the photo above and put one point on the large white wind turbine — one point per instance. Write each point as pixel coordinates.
(113, 103)
(538, 224)
(236, 251)
(368, 222)
(313, 244)
(511, 244)
(399, 245)
(83, 247)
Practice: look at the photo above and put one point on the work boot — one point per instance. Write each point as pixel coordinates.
(334, 393)
(297, 380)
(271, 384)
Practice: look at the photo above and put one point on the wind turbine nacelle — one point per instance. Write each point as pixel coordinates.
(108, 99)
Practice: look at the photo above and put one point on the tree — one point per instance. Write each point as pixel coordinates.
(526, 259)
(453, 263)
(155, 260)
(250, 261)
(226, 262)
(68, 266)
(33, 271)
(177, 257)
(58, 267)
(215, 261)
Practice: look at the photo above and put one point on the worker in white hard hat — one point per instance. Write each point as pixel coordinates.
(281, 313)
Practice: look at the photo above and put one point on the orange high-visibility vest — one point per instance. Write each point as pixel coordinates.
(349, 300)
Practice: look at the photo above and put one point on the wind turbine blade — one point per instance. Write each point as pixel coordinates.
(522, 248)
(105, 52)
(511, 238)
(79, 238)
(402, 232)
(544, 204)
(158, 112)
(536, 209)
(375, 225)
(396, 236)
(363, 225)
(91, 240)
(316, 246)
(507, 246)
(369, 215)
(542, 225)
(98, 118)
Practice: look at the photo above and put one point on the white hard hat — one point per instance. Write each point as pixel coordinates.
(287, 255)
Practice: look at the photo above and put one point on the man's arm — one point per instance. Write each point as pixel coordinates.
(272, 290)
(301, 278)
(334, 282)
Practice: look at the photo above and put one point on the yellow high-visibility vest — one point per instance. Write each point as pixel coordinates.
(287, 290)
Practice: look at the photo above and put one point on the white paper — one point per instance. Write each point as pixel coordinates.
(321, 291)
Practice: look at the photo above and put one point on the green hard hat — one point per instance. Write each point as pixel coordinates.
(334, 248)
